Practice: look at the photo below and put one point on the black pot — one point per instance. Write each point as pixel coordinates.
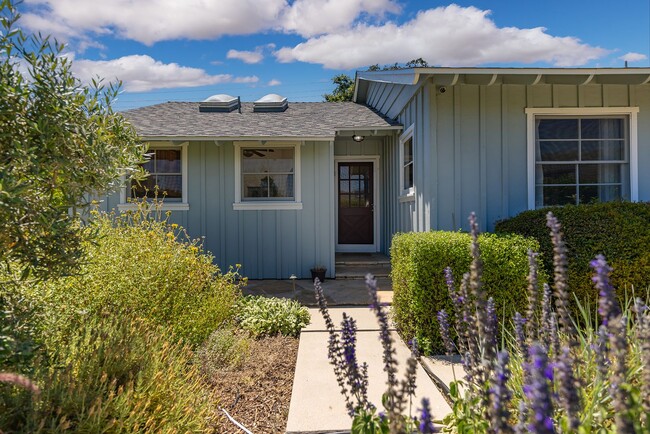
(319, 274)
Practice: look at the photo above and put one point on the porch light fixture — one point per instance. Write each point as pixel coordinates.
(358, 138)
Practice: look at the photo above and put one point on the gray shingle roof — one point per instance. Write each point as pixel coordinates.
(301, 119)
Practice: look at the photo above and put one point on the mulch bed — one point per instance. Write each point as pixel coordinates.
(257, 394)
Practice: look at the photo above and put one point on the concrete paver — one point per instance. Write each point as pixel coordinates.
(317, 405)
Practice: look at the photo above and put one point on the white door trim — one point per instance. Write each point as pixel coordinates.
(361, 248)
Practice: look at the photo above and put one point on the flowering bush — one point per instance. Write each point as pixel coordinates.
(550, 376)
(262, 316)
(145, 265)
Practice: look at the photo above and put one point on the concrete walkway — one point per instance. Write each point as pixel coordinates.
(317, 405)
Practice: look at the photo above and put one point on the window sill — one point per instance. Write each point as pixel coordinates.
(410, 197)
(241, 206)
(184, 206)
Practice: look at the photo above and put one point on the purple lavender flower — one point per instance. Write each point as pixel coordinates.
(560, 265)
(643, 334)
(620, 395)
(608, 306)
(554, 335)
(532, 325)
(547, 309)
(443, 322)
(568, 388)
(449, 279)
(602, 352)
(520, 336)
(491, 329)
(426, 421)
(522, 418)
(500, 396)
(538, 392)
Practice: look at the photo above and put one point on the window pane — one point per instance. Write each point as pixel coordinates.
(149, 165)
(355, 186)
(255, 186)
(146, 187)
(408, 176)
(344, 172)
(599, 193)
(355, 201)
(280, 186)
(171, 186)
(278, 160)
(557, 195)
(602, 128)
(408, 151)
(344, 200)
(558, 173)
(557, 151)
(168, 161)
(557, 129)
(344, 186)
(599, 173)
(603, 150)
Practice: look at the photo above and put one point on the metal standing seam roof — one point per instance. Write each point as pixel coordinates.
(301, 119)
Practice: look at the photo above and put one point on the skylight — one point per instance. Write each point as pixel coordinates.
(271, 103)
(219, 103)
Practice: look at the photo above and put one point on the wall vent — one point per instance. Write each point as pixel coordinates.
(271, 103)
(219, 103)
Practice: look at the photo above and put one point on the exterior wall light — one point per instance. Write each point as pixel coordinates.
(358, 138)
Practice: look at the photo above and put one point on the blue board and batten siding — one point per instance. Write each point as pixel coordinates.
(270, 244)
(470, 148)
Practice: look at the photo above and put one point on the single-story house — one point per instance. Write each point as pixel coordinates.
(281, 186)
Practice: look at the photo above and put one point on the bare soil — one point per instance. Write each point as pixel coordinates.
(257, 394)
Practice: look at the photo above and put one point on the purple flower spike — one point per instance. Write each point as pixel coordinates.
(608, 306)
(569, 387)
(538, 392)
(443, 322)
(520, 323)
(560, 266)
(426, 421)
(500, 396)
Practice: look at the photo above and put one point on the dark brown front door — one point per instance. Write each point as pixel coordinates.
(355, 202)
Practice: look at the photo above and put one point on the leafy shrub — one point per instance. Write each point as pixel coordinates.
(262, 316)
(418, 261)
(116, 374)
(618, 230)
(144, 265)
(224, 349)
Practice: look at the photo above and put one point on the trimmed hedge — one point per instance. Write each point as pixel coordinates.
(618, 230)
(418, 261)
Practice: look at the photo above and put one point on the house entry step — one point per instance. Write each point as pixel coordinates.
(357, 265)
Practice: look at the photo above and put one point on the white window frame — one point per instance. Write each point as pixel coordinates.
(630, 112)
(406, 193)
(183, 205)
(289, 204)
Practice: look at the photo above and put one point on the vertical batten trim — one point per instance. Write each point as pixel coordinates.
(505, 203)
(331, 172)
(433, 156)
(457, 218)
(530, 157)
(482, 98)
(634, 156)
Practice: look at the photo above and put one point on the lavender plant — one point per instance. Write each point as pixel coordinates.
(591, 378)
(353, 378)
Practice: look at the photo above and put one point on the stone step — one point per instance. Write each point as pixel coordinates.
(360, 271)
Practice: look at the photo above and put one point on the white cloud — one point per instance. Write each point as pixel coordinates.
(633, 57)
(447, 36)
(150, 21)
(246, 56)
(274, 82)
(315, 17)
(141, 73)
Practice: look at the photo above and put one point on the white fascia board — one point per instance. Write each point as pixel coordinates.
(397, 76)
(238, 138)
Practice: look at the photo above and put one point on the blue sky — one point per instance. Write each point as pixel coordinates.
(187, 50)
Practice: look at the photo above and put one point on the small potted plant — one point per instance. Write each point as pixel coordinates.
(318, 271)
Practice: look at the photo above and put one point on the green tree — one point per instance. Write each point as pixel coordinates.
(60, 143)
(344, 90)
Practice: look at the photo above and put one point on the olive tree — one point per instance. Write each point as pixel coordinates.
(60, 143)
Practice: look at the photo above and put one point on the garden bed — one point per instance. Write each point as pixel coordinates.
(258, 393)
